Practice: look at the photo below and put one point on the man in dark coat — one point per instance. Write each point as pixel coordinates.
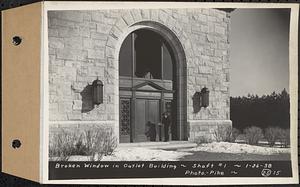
(166, 121)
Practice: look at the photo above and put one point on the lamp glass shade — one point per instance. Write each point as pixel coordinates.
(205, 97)
(97, 92)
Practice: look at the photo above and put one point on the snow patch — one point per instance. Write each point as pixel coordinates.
(226, 147)
(144, 154)
(136, 154)
(151, 154)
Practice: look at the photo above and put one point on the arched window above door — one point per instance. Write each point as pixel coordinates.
(145, 54)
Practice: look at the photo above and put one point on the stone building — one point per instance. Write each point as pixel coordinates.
(149, 60)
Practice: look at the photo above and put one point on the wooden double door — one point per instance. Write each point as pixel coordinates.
(136, 115)
(146, 120)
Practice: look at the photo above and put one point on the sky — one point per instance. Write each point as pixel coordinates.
(259, 40)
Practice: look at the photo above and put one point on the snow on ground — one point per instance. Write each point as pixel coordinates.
(225, 147)
(137, 154)
(150, 154)
(144, 154)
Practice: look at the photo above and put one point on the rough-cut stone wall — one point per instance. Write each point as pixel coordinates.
(77, 57)
(83, 44)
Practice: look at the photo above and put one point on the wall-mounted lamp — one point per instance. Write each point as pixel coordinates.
(97, 91)
(204, 97)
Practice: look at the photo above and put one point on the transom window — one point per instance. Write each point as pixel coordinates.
(145, 54)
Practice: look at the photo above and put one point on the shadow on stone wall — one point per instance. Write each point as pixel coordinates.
(86, 97)
(196, 102)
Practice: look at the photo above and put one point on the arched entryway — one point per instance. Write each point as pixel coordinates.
(151, 81)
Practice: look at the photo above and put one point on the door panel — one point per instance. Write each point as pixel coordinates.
(153, 115)
(153, 111)
(140, 120)
(145, 110)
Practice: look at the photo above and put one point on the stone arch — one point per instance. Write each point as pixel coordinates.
(113, 48)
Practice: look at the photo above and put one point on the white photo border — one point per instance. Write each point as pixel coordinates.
(86, 5)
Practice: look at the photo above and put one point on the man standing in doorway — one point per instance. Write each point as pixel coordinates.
(166, 121)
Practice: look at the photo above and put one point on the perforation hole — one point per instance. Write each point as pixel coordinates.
(17, 40)
(16, 144)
